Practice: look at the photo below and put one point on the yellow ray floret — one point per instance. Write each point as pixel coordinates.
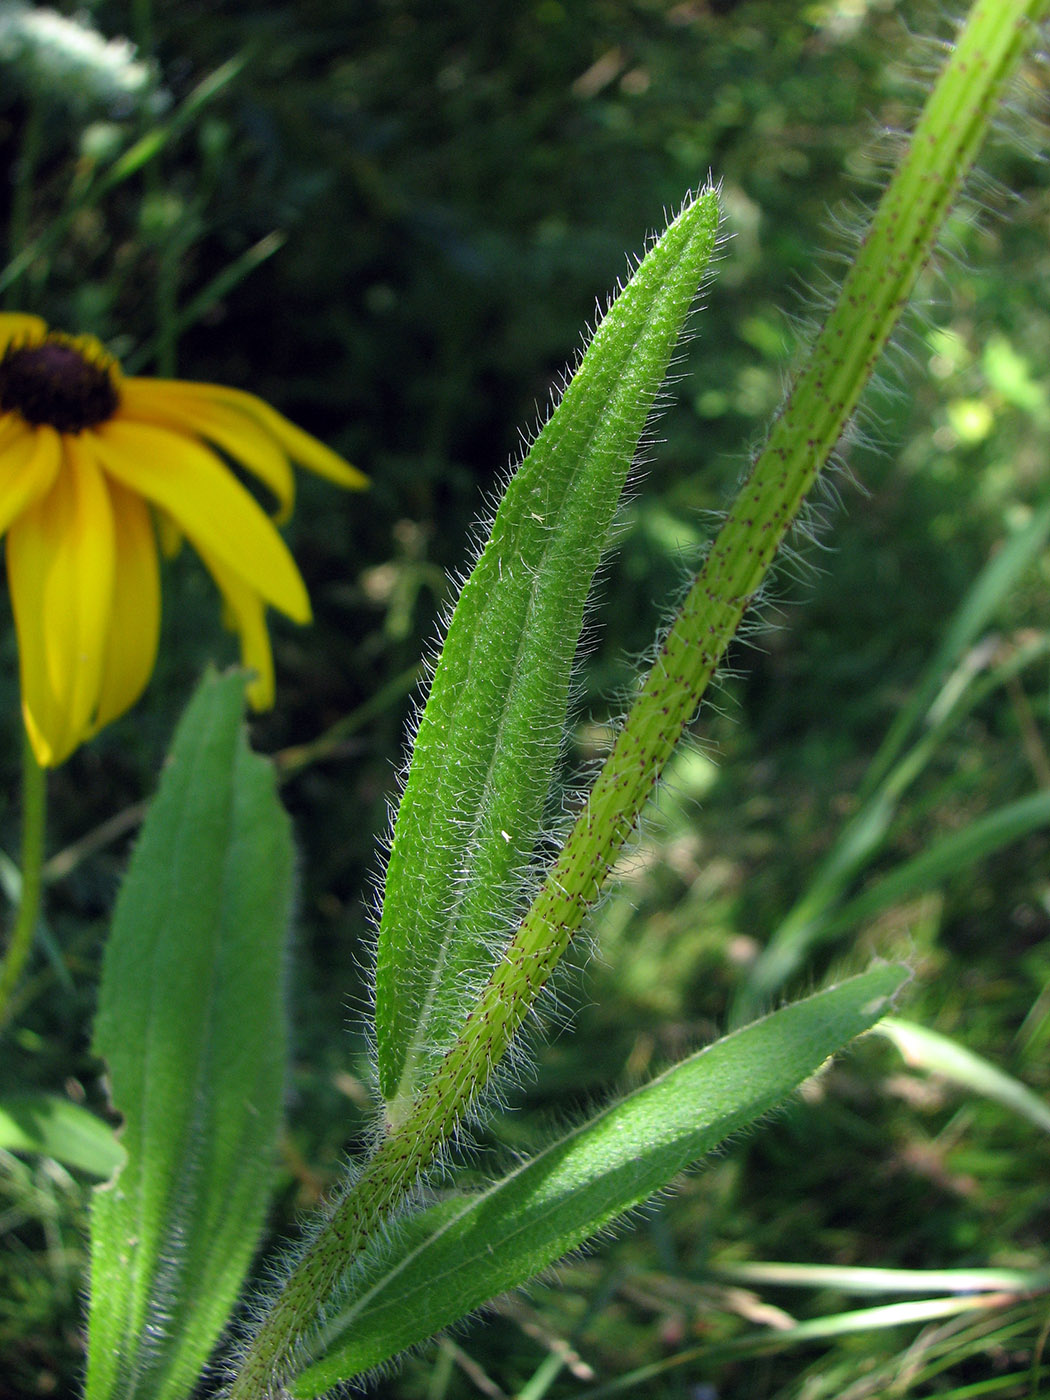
(91, 465)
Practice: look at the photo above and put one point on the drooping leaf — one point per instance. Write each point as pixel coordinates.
(448, 1261)
(192, 1027)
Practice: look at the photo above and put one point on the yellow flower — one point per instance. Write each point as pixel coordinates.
(92, 466)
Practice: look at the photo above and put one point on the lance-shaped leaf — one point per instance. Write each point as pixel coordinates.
(489, 737)
(192, 1027)
(451, 1259)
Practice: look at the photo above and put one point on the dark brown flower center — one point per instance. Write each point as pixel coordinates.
(58, 382)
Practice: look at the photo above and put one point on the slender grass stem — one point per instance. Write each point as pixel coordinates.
(138, 155)
(142, 27)
(170, 242)
(292, 761)
(22, 193)
(34, 810)
(167, 304)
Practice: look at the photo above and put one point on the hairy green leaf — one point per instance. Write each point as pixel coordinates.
(452, 1259)
(489, 738)
(192, 1026)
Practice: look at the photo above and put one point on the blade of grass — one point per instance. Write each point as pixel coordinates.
(937, 705)
(957, 851)
(939, 1054)
(212, 292)
(820, 1329)
(52, 1127)
(848, 1279)
(983, 600)
(128, 163)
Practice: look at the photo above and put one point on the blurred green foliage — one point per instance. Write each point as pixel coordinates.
(421, 204)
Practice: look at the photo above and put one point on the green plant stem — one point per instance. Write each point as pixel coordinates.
(291, 761)
(34, 810)
(22, 193)
(169, 244)
(142, 26)
(167, 302)
(897, 247)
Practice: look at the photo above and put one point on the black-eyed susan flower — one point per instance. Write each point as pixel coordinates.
(92, 467)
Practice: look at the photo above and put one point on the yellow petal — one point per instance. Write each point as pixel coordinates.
(135, 615)
(19, 326)
(298, 445)
(60, 566)
(247, 615)
(29, 461)
(162, 402)
(207, 503)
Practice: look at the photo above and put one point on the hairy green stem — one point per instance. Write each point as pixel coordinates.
(802, 438)
(34, 810)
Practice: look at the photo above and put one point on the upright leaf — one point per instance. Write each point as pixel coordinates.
(489, 737)
(192, 1027)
